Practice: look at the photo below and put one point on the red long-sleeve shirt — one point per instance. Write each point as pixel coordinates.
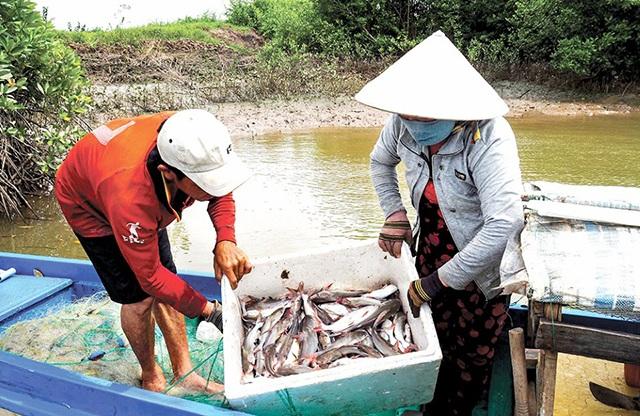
(104, 188)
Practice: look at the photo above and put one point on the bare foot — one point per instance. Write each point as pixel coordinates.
(154, 380)
(196, 382)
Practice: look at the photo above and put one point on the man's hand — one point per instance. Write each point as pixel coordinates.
(213, 313)
(395, 230)
(231, 261)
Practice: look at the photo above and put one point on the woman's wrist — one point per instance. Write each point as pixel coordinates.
(400, 215)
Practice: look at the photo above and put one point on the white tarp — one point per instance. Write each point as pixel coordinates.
(580, 246)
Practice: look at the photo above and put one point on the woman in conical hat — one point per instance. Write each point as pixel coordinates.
(462, 168)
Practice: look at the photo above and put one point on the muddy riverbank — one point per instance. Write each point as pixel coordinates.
(256, 118)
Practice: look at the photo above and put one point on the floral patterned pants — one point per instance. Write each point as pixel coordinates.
(468, 325)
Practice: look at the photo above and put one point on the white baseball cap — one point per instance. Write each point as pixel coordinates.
(433, 80)
(198, 144)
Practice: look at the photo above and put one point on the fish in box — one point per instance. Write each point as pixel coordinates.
(282, 336)
(357, 386)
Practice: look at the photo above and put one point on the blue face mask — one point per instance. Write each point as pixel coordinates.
(427, 133)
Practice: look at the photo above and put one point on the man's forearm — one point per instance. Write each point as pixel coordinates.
(222, 212)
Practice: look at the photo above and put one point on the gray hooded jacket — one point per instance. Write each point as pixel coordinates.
(478, 186)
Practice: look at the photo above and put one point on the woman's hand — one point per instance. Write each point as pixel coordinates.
(231, 261)
(395, 230)
(424, 290)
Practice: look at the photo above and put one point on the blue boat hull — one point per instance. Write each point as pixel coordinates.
(32, 388)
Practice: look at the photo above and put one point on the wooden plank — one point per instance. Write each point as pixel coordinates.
(533, 405)
(588, 342)
(534, 315)
(519, 365)
(539, 380)
(553, 312)
(548, 383)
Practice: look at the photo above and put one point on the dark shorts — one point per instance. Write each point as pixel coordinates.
(116, 275)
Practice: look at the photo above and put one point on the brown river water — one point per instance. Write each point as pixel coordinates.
(311, 189)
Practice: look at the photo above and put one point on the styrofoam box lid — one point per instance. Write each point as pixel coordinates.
(352, 387)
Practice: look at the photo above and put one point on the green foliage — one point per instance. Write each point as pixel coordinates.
(199, 29)
(292, 26)
(592, 39)
(585, 40)
(42, 90)
(243, 13)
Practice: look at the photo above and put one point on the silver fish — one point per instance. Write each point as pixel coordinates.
(390, 338)
(353, 320)
(386, 310)
(291, 369)
(308, 307)
(324, 328)
(326, 295)
(264, 308)
(335, 309)
(387, 324)
(285, 343)
(368, 341)
(281, 352)
(407, 333)
(347, 360)
(308, 338)
(365, 316)
(323, 315)
(371, 351)
(271, 320)
(398, 332)
(270, 359)
(260, 363)
(294, 352)
(278, 329)
(358, 302)
(248, 350)
(325, 358)
(247, 364)
(382, 345)
(324, 339)
(251, 340)
(383, 292)
(350, 338)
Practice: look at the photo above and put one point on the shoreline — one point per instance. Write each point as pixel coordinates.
(250, 119)
(280, 115)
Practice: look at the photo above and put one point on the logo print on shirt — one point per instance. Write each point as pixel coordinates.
(133, 233)
(104, 134)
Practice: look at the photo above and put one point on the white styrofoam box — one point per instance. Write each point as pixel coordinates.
(356, 388)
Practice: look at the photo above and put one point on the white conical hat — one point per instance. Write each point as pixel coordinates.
(434, 80)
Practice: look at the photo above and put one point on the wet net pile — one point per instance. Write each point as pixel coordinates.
(86, 337)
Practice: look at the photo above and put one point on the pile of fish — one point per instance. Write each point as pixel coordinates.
(302, 331)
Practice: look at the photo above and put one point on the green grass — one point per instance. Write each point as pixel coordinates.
(198, 29)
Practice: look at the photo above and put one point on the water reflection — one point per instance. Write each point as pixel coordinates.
(312, 188)
(309, 189)
(582, 150)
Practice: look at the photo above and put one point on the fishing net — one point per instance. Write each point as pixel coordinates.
(73, 336)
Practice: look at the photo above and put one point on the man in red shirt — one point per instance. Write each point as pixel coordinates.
(119, 188)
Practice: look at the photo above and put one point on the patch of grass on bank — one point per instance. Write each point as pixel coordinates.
(198, 29)
(197, 62)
